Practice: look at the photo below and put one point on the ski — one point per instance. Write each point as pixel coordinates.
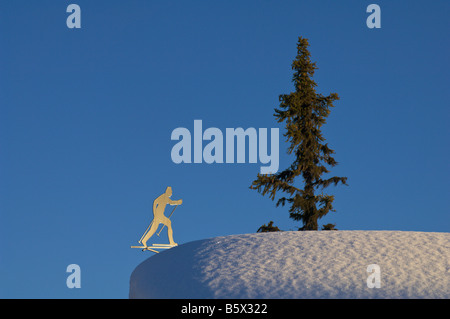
(161, 246)
(146, 248)
(155, 246)
(164, 245)
(155, 251)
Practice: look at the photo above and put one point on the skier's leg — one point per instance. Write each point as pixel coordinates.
(150, 232)
(168, 223)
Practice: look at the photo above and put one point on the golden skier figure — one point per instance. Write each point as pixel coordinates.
(159, 205)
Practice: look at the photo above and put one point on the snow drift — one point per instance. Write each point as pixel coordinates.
(309, 264)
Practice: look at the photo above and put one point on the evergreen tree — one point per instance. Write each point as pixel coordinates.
(269, 228)
(329, 227)
(304, 112)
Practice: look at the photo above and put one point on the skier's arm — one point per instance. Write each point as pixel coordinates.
(155, 203)
(175, 202)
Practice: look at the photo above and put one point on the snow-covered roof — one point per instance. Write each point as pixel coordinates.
(300, 264)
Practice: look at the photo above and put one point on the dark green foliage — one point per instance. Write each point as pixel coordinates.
(304, 112)
(329, 227)
(268, 228)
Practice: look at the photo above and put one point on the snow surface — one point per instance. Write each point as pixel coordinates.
(295, 264)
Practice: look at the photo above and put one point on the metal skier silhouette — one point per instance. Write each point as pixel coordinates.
(159, 205)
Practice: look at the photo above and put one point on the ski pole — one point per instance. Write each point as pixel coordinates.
(143, 235)
(169, 218)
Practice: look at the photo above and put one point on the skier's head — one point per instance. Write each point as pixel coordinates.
(169, 191)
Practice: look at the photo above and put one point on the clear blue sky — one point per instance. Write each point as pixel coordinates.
(86, 117)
